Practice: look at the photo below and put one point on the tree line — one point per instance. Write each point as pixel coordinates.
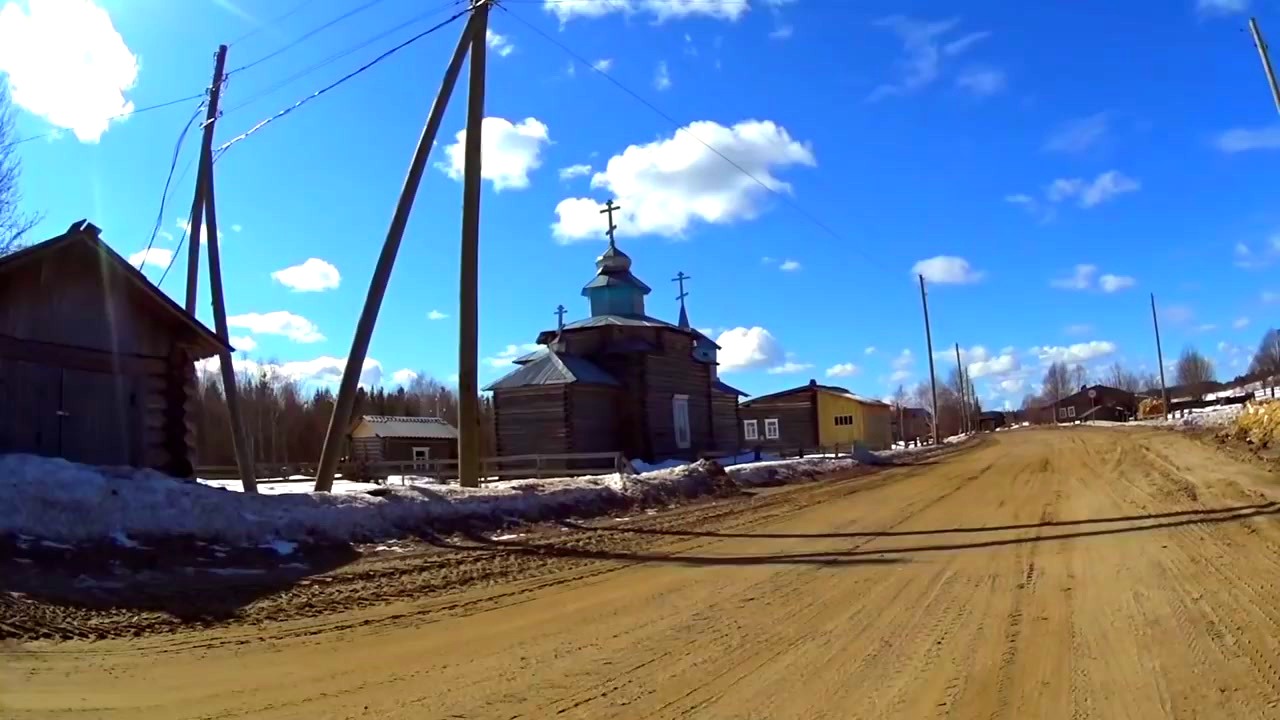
(284, 422)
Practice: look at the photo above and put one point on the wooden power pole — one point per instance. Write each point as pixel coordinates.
(1164, 391)
(345, 401)
(1266, 61)
(964, 413)
(206, 158)
(933, 380)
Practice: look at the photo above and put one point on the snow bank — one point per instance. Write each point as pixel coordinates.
(1198, 418)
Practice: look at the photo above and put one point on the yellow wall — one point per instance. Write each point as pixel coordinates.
(870, 426)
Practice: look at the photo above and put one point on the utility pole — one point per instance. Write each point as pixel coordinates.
(933, 380)
(1164, 391)
(244, 459)
(960, 382)
(468, 279)
(206, 158)
(382, 272)
(1266, 61)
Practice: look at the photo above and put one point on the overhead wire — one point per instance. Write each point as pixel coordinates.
(680, 127)
(224, 146)
(131, 113)
(306, 36)
(164, 194)
(273, 21)
(341, 54)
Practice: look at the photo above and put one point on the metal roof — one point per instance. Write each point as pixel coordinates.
(830, 389)
(616, 278)
(524, 359)
(719, 386)
(390, 426)
(554, 368)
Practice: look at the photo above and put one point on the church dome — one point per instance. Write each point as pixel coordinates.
(613, 259)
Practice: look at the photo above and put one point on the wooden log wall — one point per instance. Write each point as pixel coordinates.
(534, 420)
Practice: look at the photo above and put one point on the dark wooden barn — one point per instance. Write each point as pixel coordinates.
(97, 365)
(617, 381)
(1095, 402)
(376, 438)
(989, 420)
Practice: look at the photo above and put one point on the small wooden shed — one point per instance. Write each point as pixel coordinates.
(378, 438)
(97, 365)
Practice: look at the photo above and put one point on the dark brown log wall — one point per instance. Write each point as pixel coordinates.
(796, 422)
(675, 372)
(532, 420)
(593, 413)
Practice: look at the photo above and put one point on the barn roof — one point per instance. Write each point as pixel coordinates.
(829, 389)
(203, 341)
(553, 368)
(391, 426)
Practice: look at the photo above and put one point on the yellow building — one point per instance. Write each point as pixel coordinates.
(815, 416)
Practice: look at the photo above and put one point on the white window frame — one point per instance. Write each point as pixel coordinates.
(771, 429)
(1062, 413)
(425, 459)
(750, 429)
(1071, 411)
(677, 403)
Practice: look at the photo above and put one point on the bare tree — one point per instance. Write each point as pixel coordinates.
(1058, 382)
(14, 224)
(1117, 376)
(1193, 368)
(1267, 359)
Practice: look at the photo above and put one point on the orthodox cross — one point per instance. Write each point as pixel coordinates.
(609, 207)
(680, 278)
(560, 311)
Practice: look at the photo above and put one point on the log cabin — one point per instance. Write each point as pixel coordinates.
(378, 438)
(617, 381)
(97, 365)
(815, 416)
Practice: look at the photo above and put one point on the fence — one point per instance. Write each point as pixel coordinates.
(491, 469)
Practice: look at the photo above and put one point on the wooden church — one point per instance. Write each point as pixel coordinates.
(617, 381)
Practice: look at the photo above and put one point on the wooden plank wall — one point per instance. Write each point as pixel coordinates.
(534, 420)
(675, 372)
(795, 415)
(726, 430)
(593, 414)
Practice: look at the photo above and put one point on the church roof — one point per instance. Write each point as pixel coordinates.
(616, 278)
(719, 386)
(553, 368)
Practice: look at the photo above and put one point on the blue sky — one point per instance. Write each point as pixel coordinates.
(1045, 165)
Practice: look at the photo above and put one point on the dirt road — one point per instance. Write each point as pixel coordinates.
(1044, 574)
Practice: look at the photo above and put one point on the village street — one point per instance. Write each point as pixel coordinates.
(1070, 573)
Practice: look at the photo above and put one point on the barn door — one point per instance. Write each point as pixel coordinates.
(101, 417)
(29, 402)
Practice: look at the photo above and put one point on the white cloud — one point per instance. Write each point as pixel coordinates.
(748, 349)
(1206, 327)
(234, 229)
(1249, 259)
(661, 10)
(280, 322)
(789, 367)
(1078, 329)
(1114, 283)
(185, 226)
(436, 315)
(870, 350)
(573, 171)
(1072, 354)
(982, 81)
(243, 343)
(1081, 279)
(843, 370)
(904, 360)
(947, 269)
(899, 376)
(322, 370)
(662, 76)
(995, 366)
(500, 44)
(1240, 323)
(404, 377)
(508, 152)
(1013, 385)
(1245, 139)
(1270, 296)
(603, 65)
(67, 63)
(1089, 194)
(789, 265)
(157, 257)
(923, 52)
(1078, 135)
(782, 32)
(665, 186)
(313, 275)
(510, 353)
(1222, 7)
(1177, 314)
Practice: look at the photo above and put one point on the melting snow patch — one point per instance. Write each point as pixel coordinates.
(512, 536)
(282, 547)
(125, 541)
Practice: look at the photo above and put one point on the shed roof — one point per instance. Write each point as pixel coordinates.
(391, 426)
(829, 389)
(202, 341)
(553, 368)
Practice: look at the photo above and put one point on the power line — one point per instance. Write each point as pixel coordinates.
(680, 127)
(339, 55)
(222, 148)
(164, 194)
(307, 35)
(138, 111)
(269, 23)
(176, 252)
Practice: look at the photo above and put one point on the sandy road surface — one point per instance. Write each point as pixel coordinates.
(1044, 574)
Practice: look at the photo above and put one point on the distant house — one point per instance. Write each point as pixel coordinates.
(97, 365)
(815, 416)
(1096, 402)
(617, 381)
(911, 424)
(989, 420)
(378, 438)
